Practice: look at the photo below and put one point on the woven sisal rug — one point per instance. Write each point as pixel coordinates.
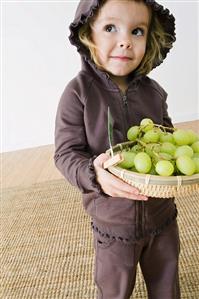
(47, 245)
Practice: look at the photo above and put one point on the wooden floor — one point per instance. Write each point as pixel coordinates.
(34, 165)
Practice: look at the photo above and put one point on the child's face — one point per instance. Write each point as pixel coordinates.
(120, 34)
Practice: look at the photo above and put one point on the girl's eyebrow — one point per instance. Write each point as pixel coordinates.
(144, 24)
(109, 19)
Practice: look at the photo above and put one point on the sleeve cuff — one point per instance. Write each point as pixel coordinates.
(92, 177)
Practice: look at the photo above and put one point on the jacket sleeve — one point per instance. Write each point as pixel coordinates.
(72, 156)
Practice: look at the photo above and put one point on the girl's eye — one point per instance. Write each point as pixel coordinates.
(110, 28)
(138, 32)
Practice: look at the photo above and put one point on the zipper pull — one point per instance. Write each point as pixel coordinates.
(124, 98)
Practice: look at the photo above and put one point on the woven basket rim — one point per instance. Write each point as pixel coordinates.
(155, 179)
(149, 178)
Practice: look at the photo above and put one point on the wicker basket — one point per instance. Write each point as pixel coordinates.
(155, 185)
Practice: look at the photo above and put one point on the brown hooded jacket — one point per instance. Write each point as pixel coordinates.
(81, 134)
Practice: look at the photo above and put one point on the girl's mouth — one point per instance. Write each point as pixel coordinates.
(122, 58)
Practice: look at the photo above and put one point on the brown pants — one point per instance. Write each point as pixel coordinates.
(116, 262)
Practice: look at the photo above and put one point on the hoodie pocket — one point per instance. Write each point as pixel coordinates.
(91, 201)
(113, 210)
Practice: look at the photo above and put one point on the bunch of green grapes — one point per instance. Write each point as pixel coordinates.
(160, 150)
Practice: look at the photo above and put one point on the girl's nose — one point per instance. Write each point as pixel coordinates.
(125, 44)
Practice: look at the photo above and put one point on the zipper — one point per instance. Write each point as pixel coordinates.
(140, 219)
(141, 206)
(125, 106)
(124, 99)
(143, 217)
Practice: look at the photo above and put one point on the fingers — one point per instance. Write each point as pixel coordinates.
(98, 162)
(134, 196)
(115, 187)
(128, 191)
(129, 195)
(121, 185)
(112, 185)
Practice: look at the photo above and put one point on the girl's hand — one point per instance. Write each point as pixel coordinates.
(112, 185)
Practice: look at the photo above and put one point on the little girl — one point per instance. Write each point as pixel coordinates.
(120, 42)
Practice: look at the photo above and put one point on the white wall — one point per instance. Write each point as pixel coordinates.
(38, 61)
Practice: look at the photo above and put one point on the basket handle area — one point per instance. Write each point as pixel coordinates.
(113, 161)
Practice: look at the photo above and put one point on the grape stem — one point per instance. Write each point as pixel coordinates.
(145, 146)
(155, 155)
(141, 142)
(165, 128)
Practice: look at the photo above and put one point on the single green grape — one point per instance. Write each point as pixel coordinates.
(165, 156)
(164, 168)
(146, 124)
(151, 136)
(132, 133)
(166, 137)
(142, 162)
(192, 136)
(168, 147)
(181, 137)
(186, 165)
(155, 147)
(128, 159)
(149, 151)
(136, 148)
(196, 161)
(195, 147)
(183, 150)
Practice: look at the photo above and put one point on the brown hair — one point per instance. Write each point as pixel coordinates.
(157, 40)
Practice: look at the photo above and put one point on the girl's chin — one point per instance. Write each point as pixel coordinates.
(119, 74)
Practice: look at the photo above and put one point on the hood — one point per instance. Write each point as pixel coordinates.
(87, 8)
